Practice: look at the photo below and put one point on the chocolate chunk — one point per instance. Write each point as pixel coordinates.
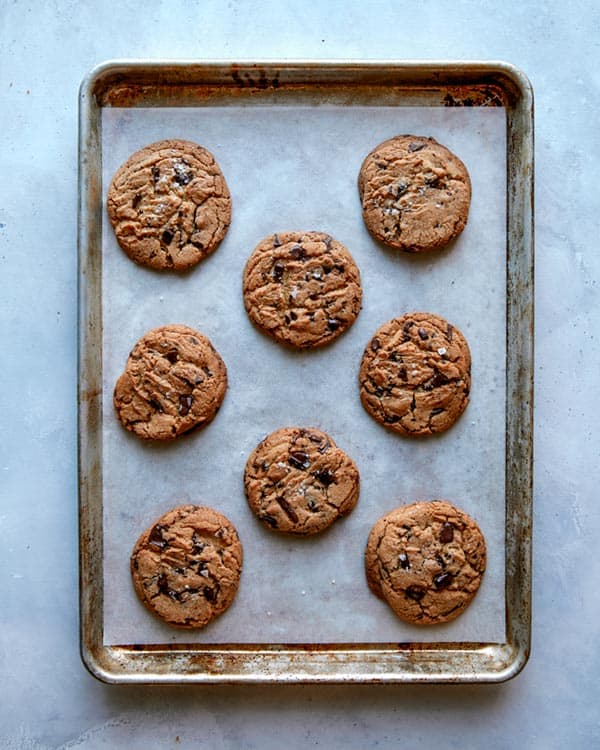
(164, 588)
(414, 146)
(156, 537)
(312, 506)
(197, 545)
(182, 175)
(435, 182)
(185, 404)
(403, 560)
(167, 237)
(209, 594)
(447, 533)
(443, 580)
(375, 344)
(276, 241)
(402, 188)
(155, 405)
(172, 356)
(403, 373)
(299, 460)
(271, 520)
(423, 335)
(136, 200)
(155, 174)
(333, 324)
(395, 357)
(278, 269)
(298, 252)
(449, 332)
(287, 509)
(415, 592)
(439, 379)
(436, 411)
(325, 476)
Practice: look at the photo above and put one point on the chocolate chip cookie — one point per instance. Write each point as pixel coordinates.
(169, 205)
(186, 567)
(298, 481)
(174, 381)
(415, 374)
(426, 560)
(302, 288)
(415, 193)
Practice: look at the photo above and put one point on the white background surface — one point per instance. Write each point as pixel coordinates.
(47, 700)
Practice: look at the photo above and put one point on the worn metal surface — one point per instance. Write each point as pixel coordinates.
(450, 84)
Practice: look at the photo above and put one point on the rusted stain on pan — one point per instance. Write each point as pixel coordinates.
(192, 83)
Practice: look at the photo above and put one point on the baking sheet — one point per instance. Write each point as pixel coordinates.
(296, 168)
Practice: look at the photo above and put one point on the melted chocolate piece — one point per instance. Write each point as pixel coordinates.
(443, 580)
(415, 592)
(287, 509)
(185, 404)
(156, 537)
(182, 176)
(403, 560)
(167, 237)
(278, 269)
(298, 252)
(271, 520)
(447, 533)
(325, 476)
(299, 460)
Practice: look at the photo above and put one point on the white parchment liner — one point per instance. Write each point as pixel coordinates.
(295, 168)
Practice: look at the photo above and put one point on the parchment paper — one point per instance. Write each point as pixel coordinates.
(296, 168)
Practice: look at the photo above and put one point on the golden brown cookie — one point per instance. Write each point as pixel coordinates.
(186, 567)
(169, 205)
(415, 193)
(298, 481)
(302, 288)
(415, 374)
(426, 560)
(174, 381)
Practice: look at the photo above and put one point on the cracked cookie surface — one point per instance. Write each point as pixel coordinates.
(174, 380)
(426, 560)
(415, 193)
(169, 205)
(186, 567)
(298, 481)
(415, 374)
(302, 288)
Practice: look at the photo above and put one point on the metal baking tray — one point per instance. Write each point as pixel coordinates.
(192, 84)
